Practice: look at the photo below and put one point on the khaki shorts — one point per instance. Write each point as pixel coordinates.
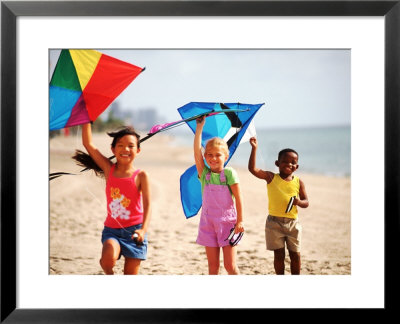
(279, 230)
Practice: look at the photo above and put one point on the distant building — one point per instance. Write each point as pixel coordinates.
(142, 119)
(145, 118)
(115, 110)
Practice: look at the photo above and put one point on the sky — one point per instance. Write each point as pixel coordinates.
(300, 88)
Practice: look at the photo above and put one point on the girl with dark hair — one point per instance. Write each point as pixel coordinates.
(128, 198)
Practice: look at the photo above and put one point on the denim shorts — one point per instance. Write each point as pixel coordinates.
(123, 236)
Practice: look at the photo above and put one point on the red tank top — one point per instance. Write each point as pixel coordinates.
(124, 201)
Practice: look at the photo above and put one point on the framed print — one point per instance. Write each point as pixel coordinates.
(30, 293)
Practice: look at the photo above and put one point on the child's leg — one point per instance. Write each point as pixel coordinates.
(131, 266)
(213, 260)
(230, 259)
(279, 261)
(109, 255)
(295, 263)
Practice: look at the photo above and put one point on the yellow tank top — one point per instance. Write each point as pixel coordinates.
(279, 194)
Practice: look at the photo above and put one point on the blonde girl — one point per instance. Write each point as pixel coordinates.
(222, 202)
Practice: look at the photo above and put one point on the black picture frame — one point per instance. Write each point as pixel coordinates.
(10, 10)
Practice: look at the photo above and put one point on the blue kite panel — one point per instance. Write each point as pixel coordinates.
(61, 103)
(190, 192)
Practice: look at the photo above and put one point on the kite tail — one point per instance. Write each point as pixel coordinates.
(85, 160)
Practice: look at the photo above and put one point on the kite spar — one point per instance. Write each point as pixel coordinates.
(163, 127)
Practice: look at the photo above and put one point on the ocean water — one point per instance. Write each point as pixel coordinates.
(322, 150)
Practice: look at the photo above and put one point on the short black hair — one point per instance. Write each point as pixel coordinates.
(287, 150)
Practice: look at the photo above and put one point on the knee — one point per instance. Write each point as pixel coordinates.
(109, 255)
(231, 268)
(107, 263)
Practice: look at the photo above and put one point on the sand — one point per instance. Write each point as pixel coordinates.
(78, 207)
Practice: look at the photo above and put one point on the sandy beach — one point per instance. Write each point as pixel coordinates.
(78, 207)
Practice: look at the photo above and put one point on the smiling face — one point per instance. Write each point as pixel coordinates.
(216, 154)
(287, 164)
(215, 158)
(126, 149)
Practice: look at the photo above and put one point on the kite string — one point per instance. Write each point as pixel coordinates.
(102, 205)
(263, 160)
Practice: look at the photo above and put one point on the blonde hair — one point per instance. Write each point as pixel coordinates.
(218, 143)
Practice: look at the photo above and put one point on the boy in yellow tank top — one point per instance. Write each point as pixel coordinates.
(286, 192)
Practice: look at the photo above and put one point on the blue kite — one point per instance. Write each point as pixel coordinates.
(228, 121)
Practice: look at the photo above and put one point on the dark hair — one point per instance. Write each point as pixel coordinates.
(125, 130)
(287, 150)
(85, 160)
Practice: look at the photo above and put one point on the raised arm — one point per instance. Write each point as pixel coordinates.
(103, 162)
(261, 174)
(198, 156)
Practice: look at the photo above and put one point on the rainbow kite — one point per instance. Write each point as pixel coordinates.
(84, 84)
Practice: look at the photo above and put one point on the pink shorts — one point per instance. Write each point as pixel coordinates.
(213, 232)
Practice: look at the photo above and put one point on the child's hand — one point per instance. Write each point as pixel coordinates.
(301, 203)
(201, 120)
(239, 227)
(253, 142)
(138, 235)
